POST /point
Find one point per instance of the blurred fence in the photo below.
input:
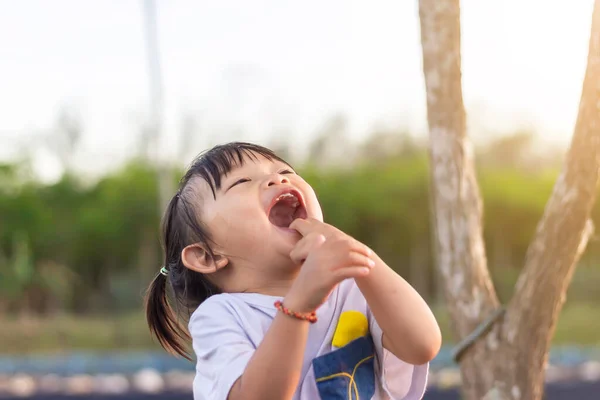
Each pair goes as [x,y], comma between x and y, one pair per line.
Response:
[130,375]
[123,362]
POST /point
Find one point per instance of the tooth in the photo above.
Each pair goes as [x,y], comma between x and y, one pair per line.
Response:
[285,195]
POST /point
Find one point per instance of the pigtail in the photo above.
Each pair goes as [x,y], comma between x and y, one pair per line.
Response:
[160,316]
[163,321]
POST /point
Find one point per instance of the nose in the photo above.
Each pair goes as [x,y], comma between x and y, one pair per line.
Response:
[276,179]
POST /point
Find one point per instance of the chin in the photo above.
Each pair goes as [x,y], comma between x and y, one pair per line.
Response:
[282,240]
[286,236]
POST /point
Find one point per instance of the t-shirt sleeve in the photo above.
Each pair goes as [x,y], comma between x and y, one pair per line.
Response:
[399,380]
[222,350]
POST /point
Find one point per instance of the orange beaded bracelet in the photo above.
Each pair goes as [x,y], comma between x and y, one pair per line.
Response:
[310,317]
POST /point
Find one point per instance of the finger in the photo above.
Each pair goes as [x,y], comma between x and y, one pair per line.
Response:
[350,272]
[307,244]
[305,226]
[329,231]
[357,260]
[302,226]
[351,244]
[307,241]
[361,248]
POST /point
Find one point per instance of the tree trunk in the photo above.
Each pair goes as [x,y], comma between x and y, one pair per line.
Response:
[509,363]
[561,238]
[457,207]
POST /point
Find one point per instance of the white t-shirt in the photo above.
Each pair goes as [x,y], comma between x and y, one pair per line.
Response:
[344,356]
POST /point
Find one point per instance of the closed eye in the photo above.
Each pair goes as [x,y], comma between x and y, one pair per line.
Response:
[242,180]
[286,171]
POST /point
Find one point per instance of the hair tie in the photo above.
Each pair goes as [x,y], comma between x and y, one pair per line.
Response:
[164,271]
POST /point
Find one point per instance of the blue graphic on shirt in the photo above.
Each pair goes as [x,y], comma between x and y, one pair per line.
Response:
[347,373]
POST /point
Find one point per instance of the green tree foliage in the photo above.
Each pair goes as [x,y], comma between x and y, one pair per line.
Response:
[89,246]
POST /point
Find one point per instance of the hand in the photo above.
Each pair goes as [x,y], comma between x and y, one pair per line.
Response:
[309,226]
[328,256]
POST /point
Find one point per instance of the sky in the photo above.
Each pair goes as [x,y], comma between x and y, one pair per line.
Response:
[251,69]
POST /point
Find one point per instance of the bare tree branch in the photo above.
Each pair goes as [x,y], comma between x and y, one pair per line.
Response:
[562,233]
[457,203]
[457,206]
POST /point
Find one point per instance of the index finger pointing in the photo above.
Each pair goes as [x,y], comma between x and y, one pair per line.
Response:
[301,225]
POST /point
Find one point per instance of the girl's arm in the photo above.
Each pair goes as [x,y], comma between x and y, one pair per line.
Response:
[274,370]
[410,330]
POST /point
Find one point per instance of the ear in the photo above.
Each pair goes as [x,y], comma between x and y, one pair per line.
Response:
[196,258]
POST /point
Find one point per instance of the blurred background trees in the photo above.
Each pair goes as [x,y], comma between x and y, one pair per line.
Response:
[91,245]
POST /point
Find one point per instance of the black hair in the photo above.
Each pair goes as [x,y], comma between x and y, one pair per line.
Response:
[181,227]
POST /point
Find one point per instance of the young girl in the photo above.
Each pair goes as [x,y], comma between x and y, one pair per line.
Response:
[284,305]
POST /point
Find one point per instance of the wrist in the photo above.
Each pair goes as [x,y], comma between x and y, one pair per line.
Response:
[299,300]
[297,304]
[301,316]
[375,275]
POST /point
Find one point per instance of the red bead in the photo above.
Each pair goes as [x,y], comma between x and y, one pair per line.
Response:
[311,317]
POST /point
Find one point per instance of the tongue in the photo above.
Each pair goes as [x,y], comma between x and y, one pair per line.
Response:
[282,214]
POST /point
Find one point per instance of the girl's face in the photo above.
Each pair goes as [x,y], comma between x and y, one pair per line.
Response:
[249,218]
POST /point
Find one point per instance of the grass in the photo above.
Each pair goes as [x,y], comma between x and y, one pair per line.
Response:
[578,325]
[75,333]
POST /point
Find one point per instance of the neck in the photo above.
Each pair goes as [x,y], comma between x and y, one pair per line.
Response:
[244,277]
[270,284]
[279,287]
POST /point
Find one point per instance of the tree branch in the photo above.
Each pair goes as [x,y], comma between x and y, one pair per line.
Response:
[456,199]
[563,231]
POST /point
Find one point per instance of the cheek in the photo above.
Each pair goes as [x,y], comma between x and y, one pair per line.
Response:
[312,202]
[235,229]
[315,209]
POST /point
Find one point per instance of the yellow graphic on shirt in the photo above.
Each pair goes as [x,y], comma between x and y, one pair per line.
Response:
[348,372]
[351,326]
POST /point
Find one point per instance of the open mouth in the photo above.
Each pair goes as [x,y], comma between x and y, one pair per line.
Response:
[285,208]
